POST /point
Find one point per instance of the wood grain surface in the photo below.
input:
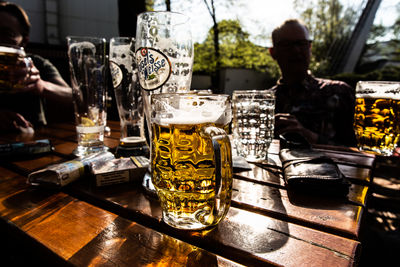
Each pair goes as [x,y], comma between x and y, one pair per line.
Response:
[121,225]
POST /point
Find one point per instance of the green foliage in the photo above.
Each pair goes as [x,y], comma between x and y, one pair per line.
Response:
[235,49]
[330,26]
[388,73]
[149,5]
[376,32]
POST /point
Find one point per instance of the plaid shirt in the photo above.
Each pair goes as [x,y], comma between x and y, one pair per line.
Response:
[323,106]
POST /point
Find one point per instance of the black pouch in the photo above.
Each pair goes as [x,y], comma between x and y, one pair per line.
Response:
[311,171]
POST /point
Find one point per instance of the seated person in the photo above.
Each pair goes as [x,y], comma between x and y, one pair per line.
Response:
[320,110]
[45,96]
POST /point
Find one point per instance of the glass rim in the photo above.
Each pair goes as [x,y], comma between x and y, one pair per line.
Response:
[187,18]
[14,49]
[85,38]
[189,94]
[379,82]
[262,91]
[253,92]
[122,40]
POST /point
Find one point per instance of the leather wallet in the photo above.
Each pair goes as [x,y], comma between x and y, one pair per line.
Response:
[309,170]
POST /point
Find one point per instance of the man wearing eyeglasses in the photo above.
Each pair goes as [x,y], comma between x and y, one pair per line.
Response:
[320,110]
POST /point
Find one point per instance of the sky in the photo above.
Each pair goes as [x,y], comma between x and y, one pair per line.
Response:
[258,17]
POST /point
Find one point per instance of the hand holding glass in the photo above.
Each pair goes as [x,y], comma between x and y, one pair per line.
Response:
[14,68]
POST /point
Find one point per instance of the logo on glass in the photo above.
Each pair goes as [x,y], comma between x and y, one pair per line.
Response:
[154,68]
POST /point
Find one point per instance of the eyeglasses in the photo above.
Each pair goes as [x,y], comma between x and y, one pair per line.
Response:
[296,43]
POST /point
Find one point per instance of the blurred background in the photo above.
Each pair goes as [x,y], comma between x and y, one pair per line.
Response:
[352,40]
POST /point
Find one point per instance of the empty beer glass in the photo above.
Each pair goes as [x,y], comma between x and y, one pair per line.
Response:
[88,67]
[164,51]
[253,123]
[377,116]
[191,158]
[127,95]
[164,56]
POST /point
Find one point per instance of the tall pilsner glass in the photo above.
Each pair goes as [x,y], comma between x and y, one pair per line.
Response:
[127,95]
[164,56]
[88,67]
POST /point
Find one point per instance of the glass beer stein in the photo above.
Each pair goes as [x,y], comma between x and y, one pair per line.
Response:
[377,116]
[14,68]
[191,158]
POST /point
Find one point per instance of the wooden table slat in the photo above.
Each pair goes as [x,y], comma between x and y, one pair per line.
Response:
[121,225]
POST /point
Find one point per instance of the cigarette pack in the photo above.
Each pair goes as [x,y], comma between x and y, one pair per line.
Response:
[120,170]
[59,175]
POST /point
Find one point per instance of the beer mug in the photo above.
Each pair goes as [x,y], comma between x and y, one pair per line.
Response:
[377,116]
[14,67]
[191,158]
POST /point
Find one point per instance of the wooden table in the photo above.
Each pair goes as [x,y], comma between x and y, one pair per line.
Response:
[121,225]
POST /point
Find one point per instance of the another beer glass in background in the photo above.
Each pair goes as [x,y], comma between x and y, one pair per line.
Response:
[191,158]
[377,116]
[164,56]
[253,123]
[127,95]
[164,51]
[88,67]
[14,67]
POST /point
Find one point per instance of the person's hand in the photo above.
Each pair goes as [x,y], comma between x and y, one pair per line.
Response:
[19,72]
[12,121]
[286,123]
[33,83]
[27,78]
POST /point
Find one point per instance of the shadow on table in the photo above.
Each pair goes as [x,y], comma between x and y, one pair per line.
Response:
[381,232]
[129,244]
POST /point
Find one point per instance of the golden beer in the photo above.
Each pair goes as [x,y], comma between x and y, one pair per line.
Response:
[186,160]
[10,58]
[377,120]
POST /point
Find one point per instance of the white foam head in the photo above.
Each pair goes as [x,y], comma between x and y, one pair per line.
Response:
[12,50]
[378,89]
[191,111]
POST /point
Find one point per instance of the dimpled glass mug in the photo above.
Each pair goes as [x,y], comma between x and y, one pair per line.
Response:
[14,67]
[191,158]
[377,116]
[253,123]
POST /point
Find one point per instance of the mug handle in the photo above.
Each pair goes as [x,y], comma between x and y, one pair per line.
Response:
[223,172]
